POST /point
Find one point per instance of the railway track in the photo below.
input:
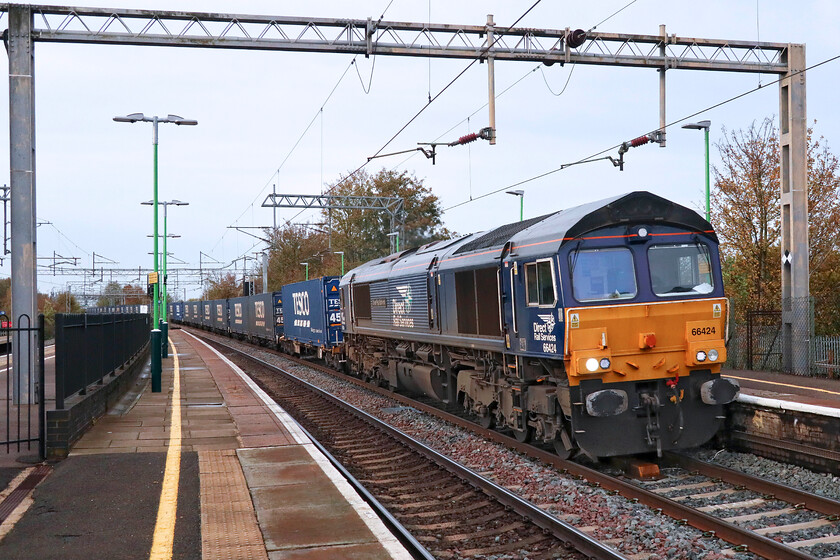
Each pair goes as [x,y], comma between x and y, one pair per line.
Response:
[754,515]
[805,525]
[450,510]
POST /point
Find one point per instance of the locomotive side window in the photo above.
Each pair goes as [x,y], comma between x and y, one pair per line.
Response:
[361,301]
[602,274]
[680,270]
[539,283]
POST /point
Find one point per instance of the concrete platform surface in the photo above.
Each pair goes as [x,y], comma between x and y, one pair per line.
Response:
[208,468]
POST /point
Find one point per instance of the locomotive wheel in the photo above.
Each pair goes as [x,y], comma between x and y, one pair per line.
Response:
[523,436]
[487,421]
[561,451]
[564,446]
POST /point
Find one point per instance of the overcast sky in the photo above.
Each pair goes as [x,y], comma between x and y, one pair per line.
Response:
[252,107]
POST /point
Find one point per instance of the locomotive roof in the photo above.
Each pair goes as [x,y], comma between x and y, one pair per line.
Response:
[539,236]
[638,207]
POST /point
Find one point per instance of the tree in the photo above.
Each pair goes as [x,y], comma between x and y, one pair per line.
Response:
[293,244]
[110,295]
[746,214]
[134,295]
[222,286]
[362,234]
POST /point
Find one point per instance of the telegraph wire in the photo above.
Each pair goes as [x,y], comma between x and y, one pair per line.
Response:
[672,123]
[611,16]
[319,112]
[485,49]
[568,79]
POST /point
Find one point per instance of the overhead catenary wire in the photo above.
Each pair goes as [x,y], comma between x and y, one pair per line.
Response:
[528,73]
[616,146]
[276,173]
[499,34]
[320,112]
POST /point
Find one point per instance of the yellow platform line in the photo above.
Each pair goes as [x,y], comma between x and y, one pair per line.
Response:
[784,384]
[165,526]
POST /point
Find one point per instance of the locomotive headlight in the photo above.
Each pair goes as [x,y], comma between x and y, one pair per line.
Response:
[604,363]
[642,232]
[592,365]
[701,356]
[713,355]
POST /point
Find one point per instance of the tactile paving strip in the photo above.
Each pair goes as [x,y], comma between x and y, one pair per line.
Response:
[229,529]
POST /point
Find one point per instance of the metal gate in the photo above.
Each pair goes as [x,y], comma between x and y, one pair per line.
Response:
[22,426]
[764,341]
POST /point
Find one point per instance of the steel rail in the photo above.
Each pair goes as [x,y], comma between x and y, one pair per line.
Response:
[562,530]
[738,536]
[766,547]
[813,502]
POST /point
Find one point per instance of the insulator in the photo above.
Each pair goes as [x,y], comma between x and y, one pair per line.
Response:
[641,140]
[471,137]
[576,38]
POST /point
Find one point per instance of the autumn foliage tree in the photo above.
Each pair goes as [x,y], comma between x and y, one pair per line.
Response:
[222,286]
[361,234]
[745,211]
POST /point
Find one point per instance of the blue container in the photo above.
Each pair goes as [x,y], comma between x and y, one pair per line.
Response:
[312,312]
[240,310]
[260,317]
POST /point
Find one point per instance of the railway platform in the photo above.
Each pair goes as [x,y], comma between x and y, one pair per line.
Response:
[816,392]
[208,468]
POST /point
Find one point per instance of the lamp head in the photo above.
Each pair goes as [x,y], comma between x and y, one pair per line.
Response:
[517,192]
[702,125]
[132,118]
[180,120]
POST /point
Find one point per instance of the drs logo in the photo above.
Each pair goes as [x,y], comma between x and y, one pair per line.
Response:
[259,309]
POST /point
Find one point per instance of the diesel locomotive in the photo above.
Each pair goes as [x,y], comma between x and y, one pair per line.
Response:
[599,328]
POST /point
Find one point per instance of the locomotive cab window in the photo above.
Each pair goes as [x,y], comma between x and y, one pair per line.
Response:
[539,283]
[602,274]
[680,269]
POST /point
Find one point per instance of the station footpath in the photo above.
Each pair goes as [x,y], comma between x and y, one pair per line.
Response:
[208,468]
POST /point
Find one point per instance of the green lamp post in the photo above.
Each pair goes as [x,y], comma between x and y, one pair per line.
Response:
[156,333]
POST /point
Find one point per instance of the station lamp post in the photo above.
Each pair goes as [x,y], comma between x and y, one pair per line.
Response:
[156,333]
[521,194]
[704,126]
[163,310]
[306,264]
[396,235]
[342,260]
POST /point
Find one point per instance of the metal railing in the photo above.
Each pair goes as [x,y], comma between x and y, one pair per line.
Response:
[22,408]
[759,344]
[89,347]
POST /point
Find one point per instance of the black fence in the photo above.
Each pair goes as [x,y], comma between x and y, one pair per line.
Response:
[22,374]
[89,347]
